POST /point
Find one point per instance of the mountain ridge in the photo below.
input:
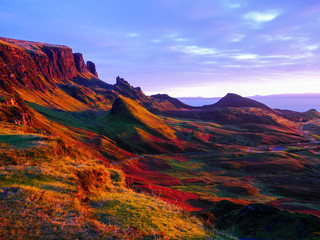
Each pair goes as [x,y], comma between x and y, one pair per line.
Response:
[235,100]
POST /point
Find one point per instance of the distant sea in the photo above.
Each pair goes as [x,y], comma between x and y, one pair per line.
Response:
[295,102]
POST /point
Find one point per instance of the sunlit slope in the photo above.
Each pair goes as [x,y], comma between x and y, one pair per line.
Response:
[131,111]
[137,129]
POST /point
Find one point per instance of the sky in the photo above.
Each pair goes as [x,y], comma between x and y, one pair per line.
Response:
[184,48]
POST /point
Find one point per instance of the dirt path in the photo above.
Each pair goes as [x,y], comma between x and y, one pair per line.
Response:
[304,134]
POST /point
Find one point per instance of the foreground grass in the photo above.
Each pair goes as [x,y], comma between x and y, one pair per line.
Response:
[149,215]
[66,198]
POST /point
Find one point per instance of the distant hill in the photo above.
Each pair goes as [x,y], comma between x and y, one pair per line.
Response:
[170,102]
[309,115]
[234,100]
[293,102]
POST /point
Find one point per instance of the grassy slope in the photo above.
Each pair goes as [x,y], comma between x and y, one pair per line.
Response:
[55,186]
[145,132]
[131,111]
[136,129]
[56,196]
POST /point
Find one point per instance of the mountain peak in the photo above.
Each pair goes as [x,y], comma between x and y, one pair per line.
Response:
[309,115]
[232,95]
[133,112]
[121,82]
[235,100]
[170,101]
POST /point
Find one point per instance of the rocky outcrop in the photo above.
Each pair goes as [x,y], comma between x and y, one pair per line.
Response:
[35,65]
[80,65]
[13,110]
[122,83]
[19,67]
[92,68]
[32,66]
[125,89]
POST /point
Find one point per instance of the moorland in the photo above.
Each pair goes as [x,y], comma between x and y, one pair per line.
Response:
[84,159]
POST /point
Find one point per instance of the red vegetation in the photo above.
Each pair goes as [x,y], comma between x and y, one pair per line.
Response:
[294,206]
[179,198]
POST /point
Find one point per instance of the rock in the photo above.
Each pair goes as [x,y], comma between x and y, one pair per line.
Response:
[35,65]
[15,111]
[80,65]
[121,82]
[92,68]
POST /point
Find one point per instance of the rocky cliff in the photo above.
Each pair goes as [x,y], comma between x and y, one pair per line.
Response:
[92,68]
[54,76]
[36,65]
[79,62]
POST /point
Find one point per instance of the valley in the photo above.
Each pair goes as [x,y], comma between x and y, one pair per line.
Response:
[81,158]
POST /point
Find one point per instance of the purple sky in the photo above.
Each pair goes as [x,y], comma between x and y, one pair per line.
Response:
[183,47]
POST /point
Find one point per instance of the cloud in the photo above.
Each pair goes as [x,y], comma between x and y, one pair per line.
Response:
[133,35]
[234,5]
[237,38]
[210,62]
[311,47]
[195,50]
[260,17]
[282,38]
[248,56]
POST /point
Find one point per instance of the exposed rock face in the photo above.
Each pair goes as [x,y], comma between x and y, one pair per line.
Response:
[80,65]
[13,110]
[121,82]
[26,67]
[34,65]
[125,89]
[92,68]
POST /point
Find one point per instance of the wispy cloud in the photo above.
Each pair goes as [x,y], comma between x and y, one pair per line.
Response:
[132,34]
[248,56]
[195,50]
[210,62]
[260,17]
[237,38]
[311,47]
[233,4]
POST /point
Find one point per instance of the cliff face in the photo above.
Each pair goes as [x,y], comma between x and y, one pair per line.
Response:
[92,68]
[79,62]
[36,65]
[54,76]
[17,67]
